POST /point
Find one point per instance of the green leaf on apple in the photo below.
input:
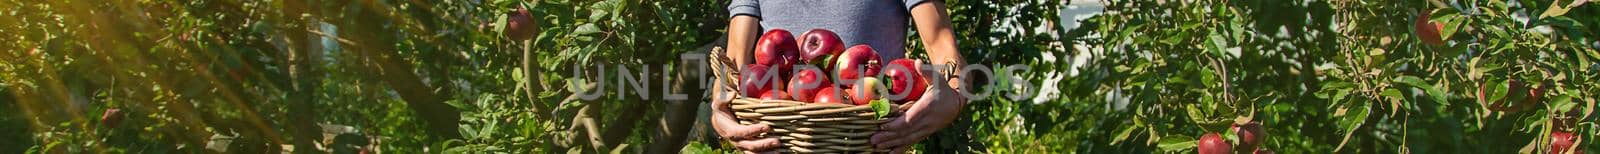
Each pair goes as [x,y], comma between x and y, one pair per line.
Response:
[1452,20]
[881,108]
[500,24]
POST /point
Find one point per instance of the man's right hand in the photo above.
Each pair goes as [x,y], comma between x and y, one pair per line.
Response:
[748,138]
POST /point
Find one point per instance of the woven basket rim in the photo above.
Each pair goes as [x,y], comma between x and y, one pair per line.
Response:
[813,127]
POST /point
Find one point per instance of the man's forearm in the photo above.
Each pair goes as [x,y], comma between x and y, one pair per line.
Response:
[933,24]
[742,33]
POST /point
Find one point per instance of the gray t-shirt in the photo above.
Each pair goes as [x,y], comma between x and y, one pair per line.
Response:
[879,23]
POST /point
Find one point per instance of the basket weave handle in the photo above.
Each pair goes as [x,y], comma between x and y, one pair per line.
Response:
[724,69]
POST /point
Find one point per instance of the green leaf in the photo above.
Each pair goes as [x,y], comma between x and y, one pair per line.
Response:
[1438,96]
[517,75]
[1563,21]
[619,149]
[1352,119]
[696,148]
[585,29]
[601,10]
[1563,103]
[1176,142]
[1395,98]
[1392,94]
[1452,19]
[881,108]
[1215,44]
[468,132]
[488,130]
[1559,9]
[1497,92]
[1124,133]
[500,24]
[574,83]
[1194,113]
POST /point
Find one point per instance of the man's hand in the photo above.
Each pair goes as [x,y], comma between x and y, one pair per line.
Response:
[742,33]
[745,137]
[937,108]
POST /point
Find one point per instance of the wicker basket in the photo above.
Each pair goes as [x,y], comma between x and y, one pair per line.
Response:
[812,128]
[804,127]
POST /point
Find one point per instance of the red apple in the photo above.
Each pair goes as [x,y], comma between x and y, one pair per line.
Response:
[865,90]
[857,62]
[111,117]
[1429,31]
[1560,141]
[818,45]
[1212,143]
[904,79]
[805,84]
[828,95]
[777,48]
[775,95]
[1250,134]
[520,25]
[755,79]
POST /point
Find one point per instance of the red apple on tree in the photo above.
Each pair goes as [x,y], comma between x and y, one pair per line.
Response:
[777,48]
[828,95]
[819,45]
[805,84]
[904,80]
[1535,93]
[756,79]
[1427,30]
[520,25]
[1560,141]
[1250,134]
[857,62]
[1212,143]
[865,90]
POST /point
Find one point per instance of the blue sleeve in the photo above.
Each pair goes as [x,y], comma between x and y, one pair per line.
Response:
[909,3]
[744,7]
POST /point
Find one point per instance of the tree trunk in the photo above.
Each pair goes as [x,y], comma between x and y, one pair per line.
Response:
[376,42]
[303,78]
[679,116]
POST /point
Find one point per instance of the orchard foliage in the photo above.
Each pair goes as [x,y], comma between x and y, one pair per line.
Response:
[1346,76]
[250,76]
[419,76]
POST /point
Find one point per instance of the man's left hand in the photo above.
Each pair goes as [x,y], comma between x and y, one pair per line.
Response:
[937,108]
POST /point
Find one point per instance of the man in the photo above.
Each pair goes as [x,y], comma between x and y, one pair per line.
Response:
[877,23]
